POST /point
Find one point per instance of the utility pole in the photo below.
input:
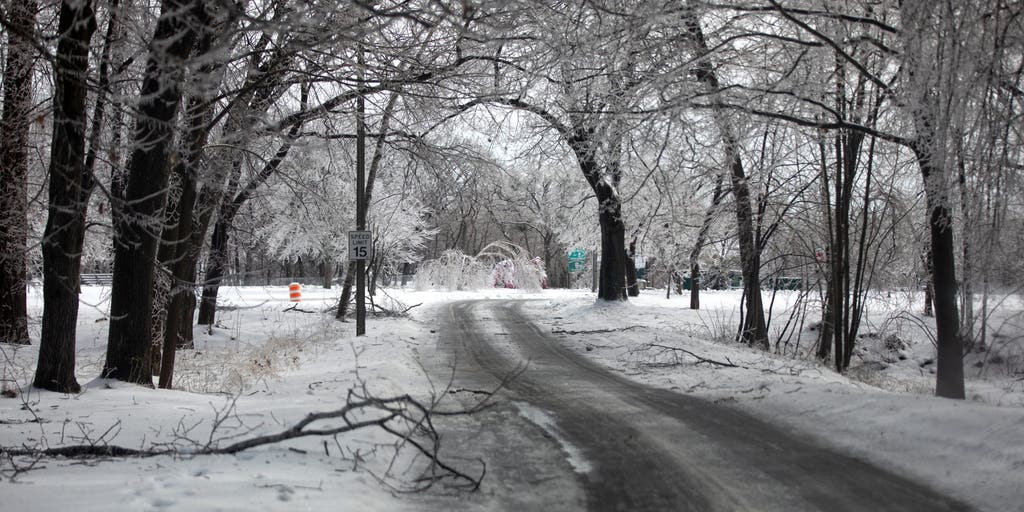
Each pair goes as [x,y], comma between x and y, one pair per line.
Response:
[360,196]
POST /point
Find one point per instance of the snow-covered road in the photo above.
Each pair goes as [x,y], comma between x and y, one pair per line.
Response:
[635,447]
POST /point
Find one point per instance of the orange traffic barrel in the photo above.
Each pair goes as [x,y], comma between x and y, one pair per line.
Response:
[295,292]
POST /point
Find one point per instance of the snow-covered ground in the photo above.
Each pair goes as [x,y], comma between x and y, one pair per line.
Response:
[262,369]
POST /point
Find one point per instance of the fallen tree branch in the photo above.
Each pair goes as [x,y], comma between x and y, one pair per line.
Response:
[598,331]
[402,416]
[700,359]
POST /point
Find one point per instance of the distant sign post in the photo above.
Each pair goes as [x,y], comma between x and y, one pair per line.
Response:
[360,245]
[577,260]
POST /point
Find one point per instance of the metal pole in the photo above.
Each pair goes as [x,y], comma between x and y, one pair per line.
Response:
[360,197]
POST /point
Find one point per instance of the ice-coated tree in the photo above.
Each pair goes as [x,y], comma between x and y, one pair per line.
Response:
[140,221]
[70,186]
[14,131]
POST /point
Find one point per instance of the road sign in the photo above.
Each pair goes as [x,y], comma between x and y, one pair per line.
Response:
[577,260]
[360,245]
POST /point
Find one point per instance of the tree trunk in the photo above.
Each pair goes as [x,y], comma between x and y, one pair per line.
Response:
[328,272]
[215,262]
[753,330]
[612,281]
[949,372]
[70,186]
[346,291]
[632,287]
[405,273]
[698,245]
[138,232]
[929,285]
[217,259]
[966,257]
[177,331]
[611,278]
[14,130]
[694,279]
[825,337]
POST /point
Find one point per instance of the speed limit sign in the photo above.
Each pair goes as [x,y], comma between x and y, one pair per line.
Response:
[360,245]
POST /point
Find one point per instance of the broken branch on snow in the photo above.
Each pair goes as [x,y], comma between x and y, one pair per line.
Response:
[598,331]
[405,417]
[699,358]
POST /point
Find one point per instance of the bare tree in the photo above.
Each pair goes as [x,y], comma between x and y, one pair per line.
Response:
[931,79]
[14,129]
[753,328]
[140,221]
[70,186]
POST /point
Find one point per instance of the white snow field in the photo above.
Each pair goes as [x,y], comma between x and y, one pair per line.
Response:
[263,369]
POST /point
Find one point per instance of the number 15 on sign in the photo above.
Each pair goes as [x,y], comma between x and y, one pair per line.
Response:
[360,245]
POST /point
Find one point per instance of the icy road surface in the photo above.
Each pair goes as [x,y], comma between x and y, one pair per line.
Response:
[634,447]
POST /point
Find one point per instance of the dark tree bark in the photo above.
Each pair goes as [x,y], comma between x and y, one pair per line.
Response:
[217,261]
[612,274]
[949,371]
[967,250]
[843,305]
[612,280]
[929,286]
[138,231]
[70,186]
[215,267]
[182,274]
[177,238]
[406,268]
[753,330]
[328,272]
[14,130]
[633,288]
[264,83]
[931,59]
[698,245]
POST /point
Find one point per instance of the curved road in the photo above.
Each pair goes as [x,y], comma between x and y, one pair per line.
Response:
[641,448]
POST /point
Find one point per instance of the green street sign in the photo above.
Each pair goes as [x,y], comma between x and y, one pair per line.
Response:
[577,260]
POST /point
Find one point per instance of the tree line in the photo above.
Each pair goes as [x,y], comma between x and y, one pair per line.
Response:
[850,142]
